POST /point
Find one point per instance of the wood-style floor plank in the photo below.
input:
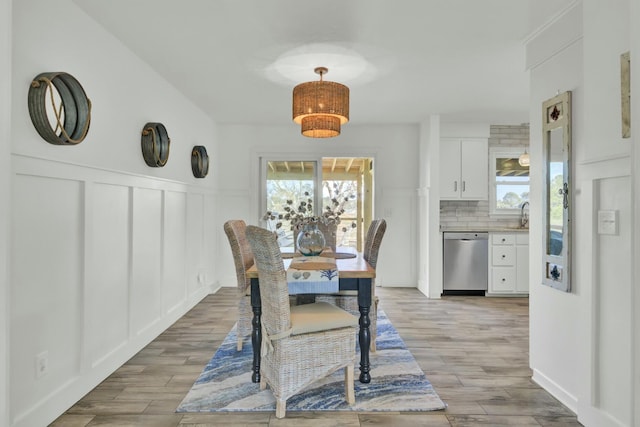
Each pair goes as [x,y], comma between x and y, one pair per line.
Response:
[474,350]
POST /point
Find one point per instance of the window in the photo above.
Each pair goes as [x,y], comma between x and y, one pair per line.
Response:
[337,177]
[510,181]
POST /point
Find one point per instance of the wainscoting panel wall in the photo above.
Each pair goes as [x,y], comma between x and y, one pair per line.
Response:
[102,262]
[46,289]
[108,278]
[196,243]
[174,256]
[146,258]
[612,298]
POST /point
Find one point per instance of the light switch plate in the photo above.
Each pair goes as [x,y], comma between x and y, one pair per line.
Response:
[608,222]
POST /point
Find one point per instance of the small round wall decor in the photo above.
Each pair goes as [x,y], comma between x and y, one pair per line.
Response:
[155,144]
[199,161]
[59,108]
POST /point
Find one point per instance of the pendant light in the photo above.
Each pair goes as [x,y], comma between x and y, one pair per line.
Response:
[320,107]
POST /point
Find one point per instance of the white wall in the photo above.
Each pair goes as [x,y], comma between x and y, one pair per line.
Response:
[550,308]
[106,252]
[635,253]
[394,151]
[430,244]
[582,341]
[5,207]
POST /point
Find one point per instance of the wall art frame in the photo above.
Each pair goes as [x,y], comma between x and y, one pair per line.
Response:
[199,161]
[557,192]
[625,93]
[73,114]
[155,143]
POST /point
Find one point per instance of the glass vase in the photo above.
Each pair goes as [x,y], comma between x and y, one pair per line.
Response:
[310,240]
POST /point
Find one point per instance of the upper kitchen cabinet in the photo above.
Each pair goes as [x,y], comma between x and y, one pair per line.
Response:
[464,170]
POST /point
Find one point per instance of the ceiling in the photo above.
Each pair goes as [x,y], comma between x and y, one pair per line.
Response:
[403,60]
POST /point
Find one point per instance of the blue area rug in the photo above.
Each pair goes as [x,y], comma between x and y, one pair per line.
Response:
[397,382]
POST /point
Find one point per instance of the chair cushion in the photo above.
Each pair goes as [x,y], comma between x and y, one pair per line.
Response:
[319,316]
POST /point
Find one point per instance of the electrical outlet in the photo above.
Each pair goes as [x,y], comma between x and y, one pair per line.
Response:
[42,364]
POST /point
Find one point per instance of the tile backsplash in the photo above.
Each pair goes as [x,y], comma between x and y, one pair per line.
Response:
[471,214]
[474,214]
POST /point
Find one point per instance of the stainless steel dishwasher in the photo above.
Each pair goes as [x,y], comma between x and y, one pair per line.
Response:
[466,263]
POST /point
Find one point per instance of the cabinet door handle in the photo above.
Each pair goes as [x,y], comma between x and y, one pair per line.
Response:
[504,240]
[464,186]
[504,280]
[455,186]
[503,256]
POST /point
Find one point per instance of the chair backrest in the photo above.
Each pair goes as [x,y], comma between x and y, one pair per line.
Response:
[241,250]
[374,239]
[329,231]
[274,290]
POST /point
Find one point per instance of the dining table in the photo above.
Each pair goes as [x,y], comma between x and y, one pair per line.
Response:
[354,274]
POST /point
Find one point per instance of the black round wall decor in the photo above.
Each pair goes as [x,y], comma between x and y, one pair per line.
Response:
[155,144]
[72,116]
[199,161]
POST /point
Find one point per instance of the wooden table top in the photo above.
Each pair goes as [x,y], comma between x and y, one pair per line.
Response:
[349,268]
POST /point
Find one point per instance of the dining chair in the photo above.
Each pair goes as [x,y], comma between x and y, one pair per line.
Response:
[243,259]
[348,300]
[303,343]
[330,232]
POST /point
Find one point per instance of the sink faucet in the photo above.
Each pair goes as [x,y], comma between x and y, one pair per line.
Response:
[524,217]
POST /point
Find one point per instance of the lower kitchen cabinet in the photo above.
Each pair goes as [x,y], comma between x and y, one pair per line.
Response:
[508,263]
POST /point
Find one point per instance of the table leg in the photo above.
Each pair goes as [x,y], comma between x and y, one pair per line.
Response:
[364,305]
[256,332]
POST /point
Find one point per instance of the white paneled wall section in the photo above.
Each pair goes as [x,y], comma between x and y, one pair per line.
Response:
[100,267]
[106,253]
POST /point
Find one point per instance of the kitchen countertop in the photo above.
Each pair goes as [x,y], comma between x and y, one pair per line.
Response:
[490,229]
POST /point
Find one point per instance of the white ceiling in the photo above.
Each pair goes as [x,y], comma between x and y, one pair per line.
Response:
[462,59]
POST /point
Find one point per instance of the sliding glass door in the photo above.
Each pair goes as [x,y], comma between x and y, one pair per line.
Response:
[287,180]
[322,182]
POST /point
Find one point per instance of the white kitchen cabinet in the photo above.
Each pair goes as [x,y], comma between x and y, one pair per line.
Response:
[509,263]
[464,169]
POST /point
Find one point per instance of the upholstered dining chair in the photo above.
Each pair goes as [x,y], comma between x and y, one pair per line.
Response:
[348,300]
[243,259]
[300,344]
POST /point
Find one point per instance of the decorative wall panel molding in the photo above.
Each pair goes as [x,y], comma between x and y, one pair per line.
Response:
[62,96]
[199,161]
[155,144]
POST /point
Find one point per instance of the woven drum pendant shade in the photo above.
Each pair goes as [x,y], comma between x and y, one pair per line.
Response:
[320,126]
[320,107]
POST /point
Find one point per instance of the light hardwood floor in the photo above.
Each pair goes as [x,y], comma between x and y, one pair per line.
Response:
[474,350]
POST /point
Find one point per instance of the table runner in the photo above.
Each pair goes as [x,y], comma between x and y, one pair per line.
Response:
[313,275]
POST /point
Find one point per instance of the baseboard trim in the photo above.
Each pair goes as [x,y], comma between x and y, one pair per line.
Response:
[55,403]
[566,398]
